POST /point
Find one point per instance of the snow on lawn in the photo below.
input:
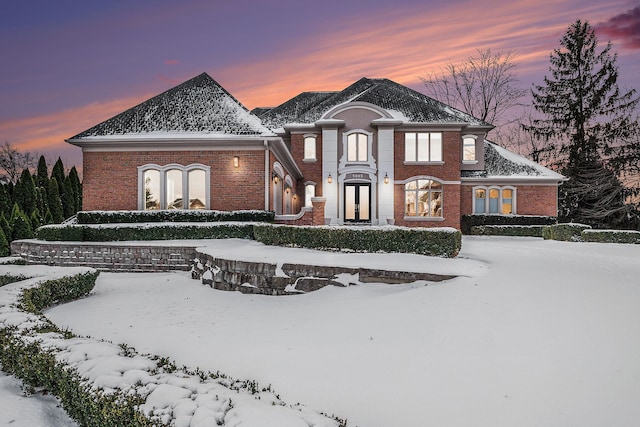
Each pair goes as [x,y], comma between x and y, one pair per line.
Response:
[533,333]
[20,410]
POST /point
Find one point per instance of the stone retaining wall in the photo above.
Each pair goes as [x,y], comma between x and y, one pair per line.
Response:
[219,273]
[105,257]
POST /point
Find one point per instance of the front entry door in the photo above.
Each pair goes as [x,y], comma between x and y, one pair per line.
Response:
[357,202]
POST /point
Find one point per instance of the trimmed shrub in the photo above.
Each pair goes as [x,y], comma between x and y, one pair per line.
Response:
[443,242]
[125,232]
[468,221]
[179,215]
[568,232]
[507,230]
[611,236]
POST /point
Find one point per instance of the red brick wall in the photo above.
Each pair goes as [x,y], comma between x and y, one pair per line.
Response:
[449,171]
[111,178]
[311,171]
[530,200]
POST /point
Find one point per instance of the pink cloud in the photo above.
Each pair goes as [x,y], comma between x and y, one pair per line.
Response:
[171,61]
[624,27]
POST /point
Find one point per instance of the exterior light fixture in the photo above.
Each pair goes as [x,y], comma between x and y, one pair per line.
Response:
[275,178]
[386,178]
[330,179]
[236,161]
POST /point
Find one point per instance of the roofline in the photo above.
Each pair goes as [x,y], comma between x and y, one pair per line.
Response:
[168,142]
[516,180]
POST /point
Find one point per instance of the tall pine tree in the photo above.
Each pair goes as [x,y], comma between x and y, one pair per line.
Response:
[42,174]
[590,127]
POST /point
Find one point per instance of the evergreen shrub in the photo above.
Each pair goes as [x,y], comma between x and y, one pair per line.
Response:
[126,232]
[507,230]
[468,221]
[568,232]
[442,242]
[611,236]
[178,215]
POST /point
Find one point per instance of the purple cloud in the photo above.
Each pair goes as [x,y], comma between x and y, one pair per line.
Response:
[624,27]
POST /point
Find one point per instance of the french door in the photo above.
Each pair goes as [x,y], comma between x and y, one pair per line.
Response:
[357,202]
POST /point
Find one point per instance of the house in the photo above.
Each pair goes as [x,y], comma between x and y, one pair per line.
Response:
[374,153]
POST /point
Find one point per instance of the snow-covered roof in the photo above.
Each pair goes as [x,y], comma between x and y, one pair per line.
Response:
[408,104]
[502,163]
[198,106]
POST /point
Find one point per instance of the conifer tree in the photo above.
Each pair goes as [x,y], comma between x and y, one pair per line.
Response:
[68,198]
[6,227]
[25,192]
[57,171]
[590,125]
[55,203]
[21,225]
[5,249]
[77,187]
[42,174]
[5,201]
[36,219]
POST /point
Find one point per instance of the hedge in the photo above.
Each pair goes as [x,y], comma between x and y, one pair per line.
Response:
[468,221]
[178,215]
[507,230]
[443,242]
[611,236]
[569,232]
[127,232]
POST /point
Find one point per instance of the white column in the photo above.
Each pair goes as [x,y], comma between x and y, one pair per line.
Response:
[330,167]
[385,167]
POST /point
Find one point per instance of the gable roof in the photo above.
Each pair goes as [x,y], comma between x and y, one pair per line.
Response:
[402,102]
[198,106]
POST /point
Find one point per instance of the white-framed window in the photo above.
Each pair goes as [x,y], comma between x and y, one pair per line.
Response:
[494,200]
[309,192]
[174,186]
[357,147]
[469,149]
[423,147]
[309,147]
[423,198]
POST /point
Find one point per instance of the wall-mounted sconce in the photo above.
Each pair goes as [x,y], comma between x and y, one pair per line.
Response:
[330,179]
[386,178]
[236,161]
[287,190]
[274,176]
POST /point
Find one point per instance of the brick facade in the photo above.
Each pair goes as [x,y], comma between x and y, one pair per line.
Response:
[111,178]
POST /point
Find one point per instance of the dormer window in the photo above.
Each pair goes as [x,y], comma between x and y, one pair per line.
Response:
[469,149]
[357,147]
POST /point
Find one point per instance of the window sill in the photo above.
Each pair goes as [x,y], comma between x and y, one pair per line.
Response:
[309,160]
[469,162]
[424,218]
[439,163]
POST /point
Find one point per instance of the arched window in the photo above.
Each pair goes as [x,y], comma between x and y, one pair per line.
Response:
[165,187]
[309,192]
[423,198]
[469,149]
[357,147]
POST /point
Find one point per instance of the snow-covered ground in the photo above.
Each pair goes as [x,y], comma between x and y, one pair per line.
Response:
[18,409]
[532,333]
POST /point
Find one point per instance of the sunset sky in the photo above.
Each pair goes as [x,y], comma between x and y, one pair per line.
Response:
[70,64]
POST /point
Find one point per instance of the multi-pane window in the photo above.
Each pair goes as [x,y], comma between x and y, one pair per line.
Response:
[423,198]
[423,147]
[357,147]
[494,200]
[309,148]
[468,149]
[174,187]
